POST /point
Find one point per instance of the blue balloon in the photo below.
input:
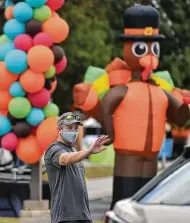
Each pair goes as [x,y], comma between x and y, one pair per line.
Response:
[8,3]
[13,28]
[16,90]
[36,3]
[5,49]
[16,61]
[5,125]
[22,12]
[35,117]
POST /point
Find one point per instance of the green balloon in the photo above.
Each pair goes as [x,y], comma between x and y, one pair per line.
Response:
[43,13]
[50,73]
[51,110]
[19,107]
[4,39]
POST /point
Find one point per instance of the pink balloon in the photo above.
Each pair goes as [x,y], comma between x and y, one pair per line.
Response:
[10,141]
[60,67]
[43,39]
[23,42]
[55,4]
[40,99]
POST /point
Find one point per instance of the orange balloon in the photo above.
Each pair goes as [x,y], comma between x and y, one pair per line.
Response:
[57,28]
[29,150]
[3,112]
[5,98]
[9,12]
[53,87]
[31,81]
[6,78]
[46,132]
[40,58]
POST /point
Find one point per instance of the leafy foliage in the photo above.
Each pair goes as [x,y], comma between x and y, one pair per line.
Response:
[89,43]
[176,47]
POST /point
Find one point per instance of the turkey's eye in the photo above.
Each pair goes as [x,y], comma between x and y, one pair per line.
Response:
[155,48]
[140,49]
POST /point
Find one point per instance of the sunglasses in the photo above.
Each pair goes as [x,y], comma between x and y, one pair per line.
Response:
[72,117]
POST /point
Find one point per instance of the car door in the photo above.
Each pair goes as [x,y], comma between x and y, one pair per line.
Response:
[169,201]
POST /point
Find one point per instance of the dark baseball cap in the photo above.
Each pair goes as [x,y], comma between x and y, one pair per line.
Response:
[69,118]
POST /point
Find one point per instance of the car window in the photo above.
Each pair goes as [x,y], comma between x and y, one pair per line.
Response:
[173,190]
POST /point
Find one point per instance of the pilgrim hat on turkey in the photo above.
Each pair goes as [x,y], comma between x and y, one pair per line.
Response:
[141,23]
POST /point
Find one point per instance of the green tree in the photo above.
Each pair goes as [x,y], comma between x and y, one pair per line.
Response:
[176,48]
[89,43]
[93,40]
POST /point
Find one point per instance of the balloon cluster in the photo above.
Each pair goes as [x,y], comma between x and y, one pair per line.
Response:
[30,59]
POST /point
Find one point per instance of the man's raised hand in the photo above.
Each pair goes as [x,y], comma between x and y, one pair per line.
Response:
[96,147]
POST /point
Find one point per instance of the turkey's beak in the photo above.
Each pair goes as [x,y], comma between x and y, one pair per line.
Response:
[149,63]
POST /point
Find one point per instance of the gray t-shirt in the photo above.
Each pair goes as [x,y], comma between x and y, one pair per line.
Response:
[69,198]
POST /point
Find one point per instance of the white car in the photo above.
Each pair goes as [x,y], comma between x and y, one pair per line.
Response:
[165,199]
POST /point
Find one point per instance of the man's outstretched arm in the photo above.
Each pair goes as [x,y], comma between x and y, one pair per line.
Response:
[75,157]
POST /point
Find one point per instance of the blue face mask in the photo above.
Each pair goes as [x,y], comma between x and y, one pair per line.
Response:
[70,137]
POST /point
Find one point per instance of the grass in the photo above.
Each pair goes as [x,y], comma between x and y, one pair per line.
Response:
[16,220]
[9,220]
[98,172]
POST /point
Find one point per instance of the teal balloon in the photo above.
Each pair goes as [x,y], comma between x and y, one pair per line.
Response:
[51,110]
[43,13]
[4,39]
[5,125]
[35,117]
[5,49]
[13,28]
[19,107]
[23,12]
[36,3]
[16,61]
[16,90]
